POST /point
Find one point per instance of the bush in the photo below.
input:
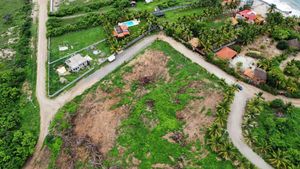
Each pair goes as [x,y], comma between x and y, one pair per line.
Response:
[237,48]
[254,55]
[282,45]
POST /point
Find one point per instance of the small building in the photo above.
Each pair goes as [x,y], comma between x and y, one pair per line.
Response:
[194,42]
[259,19]
[247,15]
[62,71]
[133,3]
[294,43]
[257,75]
[226,53]
[121,31]
[234,21]
[77,62]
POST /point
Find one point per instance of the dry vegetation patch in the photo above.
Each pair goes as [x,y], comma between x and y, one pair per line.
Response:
[265,45]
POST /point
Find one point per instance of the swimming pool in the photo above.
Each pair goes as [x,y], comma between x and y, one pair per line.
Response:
[129,23]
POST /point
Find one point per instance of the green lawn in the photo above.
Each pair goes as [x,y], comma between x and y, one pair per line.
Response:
[135,136]
[77,40]
[141,5]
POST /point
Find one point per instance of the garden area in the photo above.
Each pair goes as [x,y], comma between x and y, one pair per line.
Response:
[149,111]
[272,130]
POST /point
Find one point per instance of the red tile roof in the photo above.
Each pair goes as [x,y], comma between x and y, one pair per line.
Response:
[248,14]
[226,53]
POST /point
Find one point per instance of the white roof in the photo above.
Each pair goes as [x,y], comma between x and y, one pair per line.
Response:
[76,60]
[111,58]
[61,70]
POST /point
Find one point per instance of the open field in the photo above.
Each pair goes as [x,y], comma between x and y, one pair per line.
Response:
[154,112]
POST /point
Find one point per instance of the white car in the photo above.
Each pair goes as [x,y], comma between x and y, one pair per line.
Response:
[111,58]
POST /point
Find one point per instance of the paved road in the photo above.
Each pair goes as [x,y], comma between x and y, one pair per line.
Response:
[48,107]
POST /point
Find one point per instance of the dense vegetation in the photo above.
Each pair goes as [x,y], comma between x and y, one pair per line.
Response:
[272,129]
[18,115]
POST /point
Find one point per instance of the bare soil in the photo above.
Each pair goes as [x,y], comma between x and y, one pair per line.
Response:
[265,45]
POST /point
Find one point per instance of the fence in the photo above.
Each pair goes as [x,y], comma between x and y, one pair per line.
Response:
[71,83]
[76,52]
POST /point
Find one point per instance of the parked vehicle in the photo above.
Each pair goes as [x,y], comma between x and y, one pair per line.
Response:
[239,87]
[111,58]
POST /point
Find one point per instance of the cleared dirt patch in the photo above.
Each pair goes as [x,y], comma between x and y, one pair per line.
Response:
[265,45]
[151,66]
[97,120]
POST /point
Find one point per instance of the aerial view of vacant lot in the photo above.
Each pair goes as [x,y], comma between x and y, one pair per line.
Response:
[152,112]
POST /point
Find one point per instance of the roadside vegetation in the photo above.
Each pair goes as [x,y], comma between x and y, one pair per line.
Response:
[272,130]
[19,118]
[142,125]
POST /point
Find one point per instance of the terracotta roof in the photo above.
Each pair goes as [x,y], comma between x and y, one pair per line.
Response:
[226,53]
[248,14]
[249,73]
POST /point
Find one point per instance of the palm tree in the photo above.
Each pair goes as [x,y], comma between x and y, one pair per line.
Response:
[272,8]
[278,159]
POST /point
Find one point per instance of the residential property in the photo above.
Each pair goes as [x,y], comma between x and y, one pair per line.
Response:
[256,75]
[121,31]
[226,53]
[247,15]
[294,43]
[77,62]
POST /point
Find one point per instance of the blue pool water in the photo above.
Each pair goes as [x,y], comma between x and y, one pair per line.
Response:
[129,23]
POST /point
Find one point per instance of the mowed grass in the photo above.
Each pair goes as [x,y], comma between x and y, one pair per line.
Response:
[145,143]
[77,40]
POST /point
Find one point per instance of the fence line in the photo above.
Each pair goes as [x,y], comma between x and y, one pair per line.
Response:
[71,83]
[76,52]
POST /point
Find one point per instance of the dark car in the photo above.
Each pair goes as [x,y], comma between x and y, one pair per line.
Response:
[239,87]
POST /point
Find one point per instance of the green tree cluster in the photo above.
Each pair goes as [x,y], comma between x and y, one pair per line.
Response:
[272,129]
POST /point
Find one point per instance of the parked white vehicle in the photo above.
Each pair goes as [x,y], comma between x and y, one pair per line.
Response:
[111,58]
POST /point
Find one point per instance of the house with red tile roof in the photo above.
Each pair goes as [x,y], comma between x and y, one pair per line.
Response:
[226,53]
[120,31]
[247,14]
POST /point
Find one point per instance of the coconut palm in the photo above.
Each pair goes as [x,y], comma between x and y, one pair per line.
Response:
[272,8]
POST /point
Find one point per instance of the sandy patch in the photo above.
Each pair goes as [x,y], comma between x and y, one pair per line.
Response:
[265,45]
[148,68]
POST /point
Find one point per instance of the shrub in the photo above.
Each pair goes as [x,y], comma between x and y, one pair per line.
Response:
[237,48]
[282,45]
[254,55]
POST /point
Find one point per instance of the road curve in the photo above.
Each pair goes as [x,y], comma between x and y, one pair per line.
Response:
[48,107]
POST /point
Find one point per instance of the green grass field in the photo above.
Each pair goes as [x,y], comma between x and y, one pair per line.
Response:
[77,40]
[136,137]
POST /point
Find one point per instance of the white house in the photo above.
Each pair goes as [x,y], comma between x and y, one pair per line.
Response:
[77,62]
